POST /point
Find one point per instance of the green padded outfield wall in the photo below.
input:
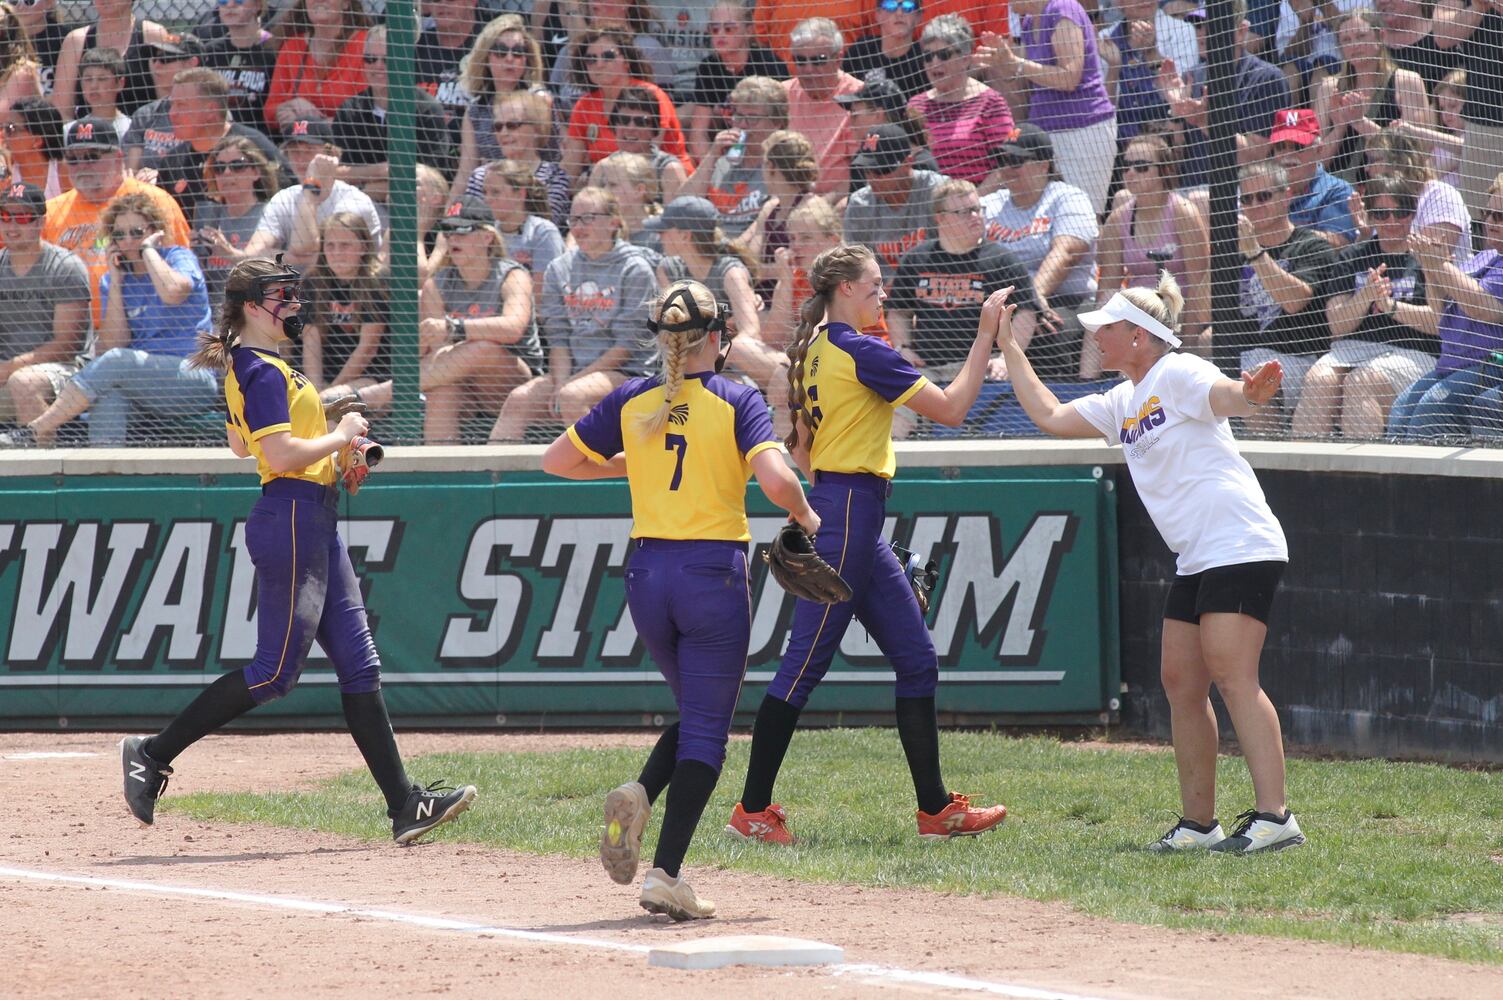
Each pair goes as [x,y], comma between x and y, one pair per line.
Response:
[498,599]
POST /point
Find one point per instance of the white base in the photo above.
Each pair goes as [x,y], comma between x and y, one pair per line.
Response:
[744,949]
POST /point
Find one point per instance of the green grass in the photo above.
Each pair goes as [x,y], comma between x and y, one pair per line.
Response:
[1407,857]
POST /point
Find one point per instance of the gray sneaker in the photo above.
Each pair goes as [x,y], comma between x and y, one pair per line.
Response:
[626,813]
[1184,837]
[662,893]
[145,779]
[1257,832]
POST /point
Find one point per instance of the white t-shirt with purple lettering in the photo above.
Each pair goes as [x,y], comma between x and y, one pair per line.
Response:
[1199,490]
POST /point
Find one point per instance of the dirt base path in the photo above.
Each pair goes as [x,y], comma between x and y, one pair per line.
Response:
[82,939]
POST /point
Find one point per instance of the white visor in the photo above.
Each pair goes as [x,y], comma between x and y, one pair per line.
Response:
[1119,308]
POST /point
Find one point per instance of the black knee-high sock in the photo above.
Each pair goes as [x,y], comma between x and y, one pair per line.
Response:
[918,729]
[225,700]
[688,794]
[365,714]
[773,731]
[658,770]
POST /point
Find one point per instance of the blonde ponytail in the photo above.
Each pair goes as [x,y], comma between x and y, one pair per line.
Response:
[839,263]
[676,341]
[1164,303]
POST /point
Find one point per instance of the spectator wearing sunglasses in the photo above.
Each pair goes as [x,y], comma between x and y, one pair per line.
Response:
[101,80]
[1285,283]
[238,180]
[35,138]
[40,21]
[1440,210]
[734,55]
[631,20]
[639,129]
[776,20]
[893,49]
[1055,66]
[522,136]
[156,306]
[477,334]
[293,217]
[44,308]
[97,169]
[200,114]
[818,80]
[965,118]
[894,212]
[1383,329]
[245,54]
[610,65]
[732,175]
[360,126]
[505,61]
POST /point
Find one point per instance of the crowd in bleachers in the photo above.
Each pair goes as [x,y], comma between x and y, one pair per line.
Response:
[573,159]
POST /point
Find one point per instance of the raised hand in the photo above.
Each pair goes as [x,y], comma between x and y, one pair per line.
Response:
[1260,385]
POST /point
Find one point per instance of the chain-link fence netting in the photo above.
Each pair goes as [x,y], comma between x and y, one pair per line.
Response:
[484,198]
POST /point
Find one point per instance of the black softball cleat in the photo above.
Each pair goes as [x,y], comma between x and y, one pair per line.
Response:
[428,807]
[145,779]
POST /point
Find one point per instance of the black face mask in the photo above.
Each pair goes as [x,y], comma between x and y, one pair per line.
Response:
[725,352]
[696,321]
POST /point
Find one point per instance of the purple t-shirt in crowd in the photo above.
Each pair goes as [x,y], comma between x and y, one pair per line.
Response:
[1087,104]
[1465,341]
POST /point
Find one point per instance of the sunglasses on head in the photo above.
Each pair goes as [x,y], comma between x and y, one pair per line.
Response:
[134,233]
[607,55]
[513,51]
[939,55]
[818,60]
[232,166]
[1144,165]
[1385,214]
[906,6]
[636,121]
[1258,197]
[25,217]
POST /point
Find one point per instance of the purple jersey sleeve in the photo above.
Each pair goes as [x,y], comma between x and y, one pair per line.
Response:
[600,429]
[264,389]
[753,422]
[880,368]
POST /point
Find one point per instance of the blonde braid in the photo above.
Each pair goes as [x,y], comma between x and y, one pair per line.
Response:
[675,346]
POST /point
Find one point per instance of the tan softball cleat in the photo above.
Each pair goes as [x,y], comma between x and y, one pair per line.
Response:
[662,893]
[626,813]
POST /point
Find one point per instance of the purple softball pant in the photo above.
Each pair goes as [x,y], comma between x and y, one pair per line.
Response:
[691,603]
[305,589]
[852,508]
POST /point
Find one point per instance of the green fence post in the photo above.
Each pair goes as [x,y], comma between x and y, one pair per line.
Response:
[401,38]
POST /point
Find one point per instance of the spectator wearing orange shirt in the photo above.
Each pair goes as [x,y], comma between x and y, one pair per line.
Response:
[985,16]
[812,109]
[611,64]
[321,64]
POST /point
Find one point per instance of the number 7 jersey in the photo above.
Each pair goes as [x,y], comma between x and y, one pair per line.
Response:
[688,480]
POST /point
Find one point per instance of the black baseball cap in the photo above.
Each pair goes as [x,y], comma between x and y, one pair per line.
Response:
[878,90]
[92,133]
[464,214]
[1028,141]
[308,130]
[184,46]
[690,213]
[28,195]
[884,149]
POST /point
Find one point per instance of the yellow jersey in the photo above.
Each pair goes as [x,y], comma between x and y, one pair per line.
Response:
[688,480]
[264,395]
[854,382]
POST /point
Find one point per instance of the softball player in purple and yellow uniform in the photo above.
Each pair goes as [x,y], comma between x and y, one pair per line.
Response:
[844,387]
[306,587]
[687,440]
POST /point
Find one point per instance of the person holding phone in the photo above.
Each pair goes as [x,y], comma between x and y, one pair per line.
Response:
[156,303]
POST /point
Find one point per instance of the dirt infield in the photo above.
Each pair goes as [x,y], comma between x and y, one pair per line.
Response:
[78,939]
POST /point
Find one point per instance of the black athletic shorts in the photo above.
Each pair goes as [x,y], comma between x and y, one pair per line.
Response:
[1243,589]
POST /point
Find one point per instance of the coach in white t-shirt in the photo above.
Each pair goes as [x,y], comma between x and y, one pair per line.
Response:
[1170,417]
